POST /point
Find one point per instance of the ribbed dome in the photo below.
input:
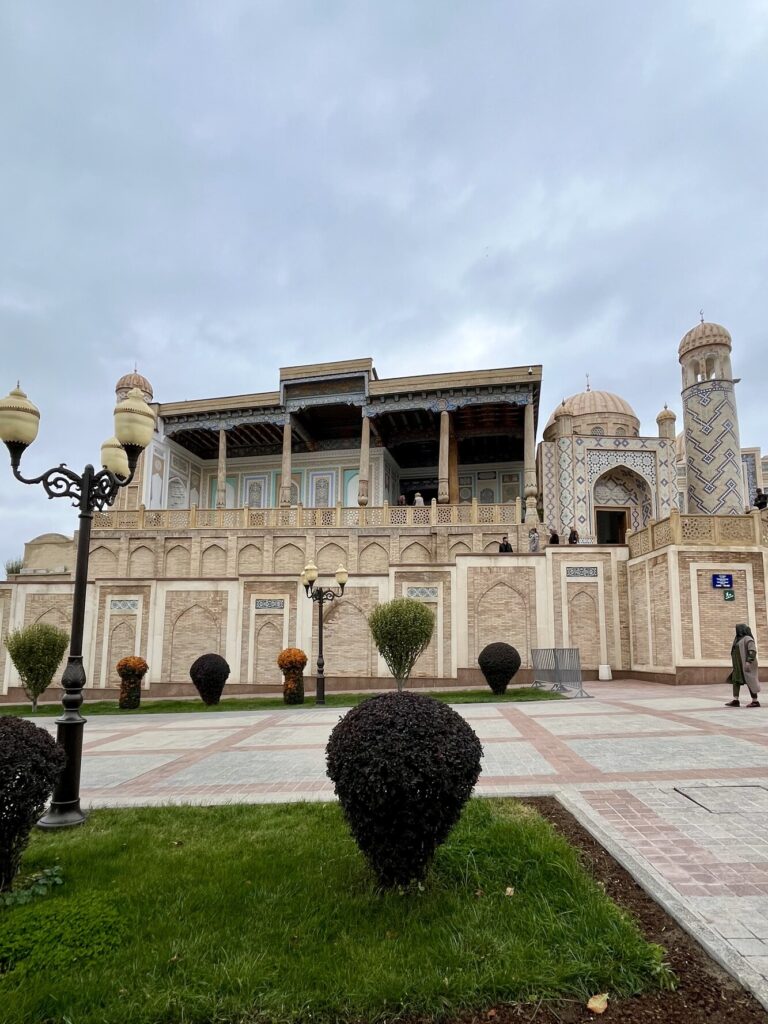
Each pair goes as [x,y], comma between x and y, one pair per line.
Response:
[590,403]
[133,380]
[703,335]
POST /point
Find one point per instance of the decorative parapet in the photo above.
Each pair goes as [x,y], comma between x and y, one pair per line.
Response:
[469,514]
[720,531]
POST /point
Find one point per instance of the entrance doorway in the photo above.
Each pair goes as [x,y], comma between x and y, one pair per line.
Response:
[611,525]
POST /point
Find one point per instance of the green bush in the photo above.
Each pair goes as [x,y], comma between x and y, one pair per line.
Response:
[13,566]
[36,652]
[30,763]
[401,630]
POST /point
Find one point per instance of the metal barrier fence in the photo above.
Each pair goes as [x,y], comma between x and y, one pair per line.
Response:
[560,667]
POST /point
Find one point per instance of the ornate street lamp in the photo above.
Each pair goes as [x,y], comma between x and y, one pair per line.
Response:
[134,424]
[321,595]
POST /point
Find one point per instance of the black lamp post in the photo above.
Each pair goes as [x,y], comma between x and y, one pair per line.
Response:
[321,595]
[90,491]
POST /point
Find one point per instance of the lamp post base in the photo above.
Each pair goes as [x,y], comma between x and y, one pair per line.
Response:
[63,816]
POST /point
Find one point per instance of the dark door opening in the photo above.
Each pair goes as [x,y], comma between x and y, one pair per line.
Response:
[426,491]
[611,525]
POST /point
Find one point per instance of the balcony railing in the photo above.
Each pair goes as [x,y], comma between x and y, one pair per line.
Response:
[724,531]
[468,514]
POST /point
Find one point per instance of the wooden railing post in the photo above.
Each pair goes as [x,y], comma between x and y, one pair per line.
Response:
[193,516]
[474,517]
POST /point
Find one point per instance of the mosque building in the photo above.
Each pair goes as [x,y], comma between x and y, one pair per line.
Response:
[410,483]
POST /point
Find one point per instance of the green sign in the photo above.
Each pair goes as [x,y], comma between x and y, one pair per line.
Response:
[729,595]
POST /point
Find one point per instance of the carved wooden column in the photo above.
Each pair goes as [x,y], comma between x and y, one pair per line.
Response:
[221,476]
[453,469]
[285,484]
[365,462]
[442,465]
[529,473]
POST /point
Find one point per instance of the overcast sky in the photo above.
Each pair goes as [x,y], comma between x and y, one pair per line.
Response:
[218,189]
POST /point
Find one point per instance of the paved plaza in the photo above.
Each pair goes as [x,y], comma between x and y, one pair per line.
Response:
[674,784]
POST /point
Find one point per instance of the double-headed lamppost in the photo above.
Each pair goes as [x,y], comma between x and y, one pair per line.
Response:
[321,595]
[90,491]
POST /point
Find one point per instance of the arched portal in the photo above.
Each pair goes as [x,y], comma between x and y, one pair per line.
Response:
[621,501]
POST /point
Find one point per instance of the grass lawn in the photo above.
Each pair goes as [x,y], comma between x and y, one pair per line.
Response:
[333,700]
[269,914]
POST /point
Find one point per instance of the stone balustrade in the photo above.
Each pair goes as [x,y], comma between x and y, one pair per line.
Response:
[715,531]
[400,516]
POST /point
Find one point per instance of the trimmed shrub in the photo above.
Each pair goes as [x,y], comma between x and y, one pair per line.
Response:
[499,662]
[30,762]
[36,652]
[209,673]
[131,671]
[403,766]
[401,630]
[291,663]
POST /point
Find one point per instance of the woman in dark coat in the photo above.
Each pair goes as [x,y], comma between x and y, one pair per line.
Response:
[745,670]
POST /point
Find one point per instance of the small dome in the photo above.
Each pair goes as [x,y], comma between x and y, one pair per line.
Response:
[665,414]
[702,336]
[133,380]
[680,447]
[590,403]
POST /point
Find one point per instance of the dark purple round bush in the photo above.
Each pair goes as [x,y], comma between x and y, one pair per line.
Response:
[209,673]
[30,762]
[403,766]
[499,662]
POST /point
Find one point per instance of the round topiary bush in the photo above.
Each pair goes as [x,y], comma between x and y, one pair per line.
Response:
[291,663]
[209,673]
[30,762]
[498,662]
[403,766]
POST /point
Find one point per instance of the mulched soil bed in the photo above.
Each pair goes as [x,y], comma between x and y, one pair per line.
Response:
[705,992]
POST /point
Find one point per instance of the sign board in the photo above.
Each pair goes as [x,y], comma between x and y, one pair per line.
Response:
[729,595]
[722,580]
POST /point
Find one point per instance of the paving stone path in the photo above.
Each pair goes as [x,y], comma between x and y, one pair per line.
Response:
[671,781]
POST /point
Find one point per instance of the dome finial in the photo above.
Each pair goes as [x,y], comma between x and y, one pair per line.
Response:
[588,387]
[701,314]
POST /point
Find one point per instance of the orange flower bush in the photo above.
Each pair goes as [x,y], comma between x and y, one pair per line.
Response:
[131,671]
[291,662]
[291,657]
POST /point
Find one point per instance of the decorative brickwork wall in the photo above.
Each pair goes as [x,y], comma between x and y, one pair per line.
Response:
[501,606]
[194,624]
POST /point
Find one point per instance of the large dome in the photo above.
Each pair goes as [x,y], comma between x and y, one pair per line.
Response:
[133,380]
[603,407]
[702,336]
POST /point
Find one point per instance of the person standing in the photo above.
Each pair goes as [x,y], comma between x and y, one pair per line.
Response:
[533,539]
[505,545]
[761,499]
[418,500]
[573,536]
[554,536]
[745,668]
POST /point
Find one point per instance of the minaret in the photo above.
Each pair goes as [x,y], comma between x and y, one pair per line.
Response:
[711,423]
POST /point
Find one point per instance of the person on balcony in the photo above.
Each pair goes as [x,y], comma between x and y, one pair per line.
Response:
[573,536]
[505,546]
[761,499]
[745,669]
[533,539]
[554,536]
[401,500]
[418,500]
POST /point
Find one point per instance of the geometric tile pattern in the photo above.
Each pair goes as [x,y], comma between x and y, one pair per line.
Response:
[713,451]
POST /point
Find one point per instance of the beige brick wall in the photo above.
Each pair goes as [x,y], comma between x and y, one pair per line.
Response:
[661,612]
[584,622]
[5,619]
[502,607]
[267,642]
[195,624]
[122,632]
[641,654]
[348,647]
